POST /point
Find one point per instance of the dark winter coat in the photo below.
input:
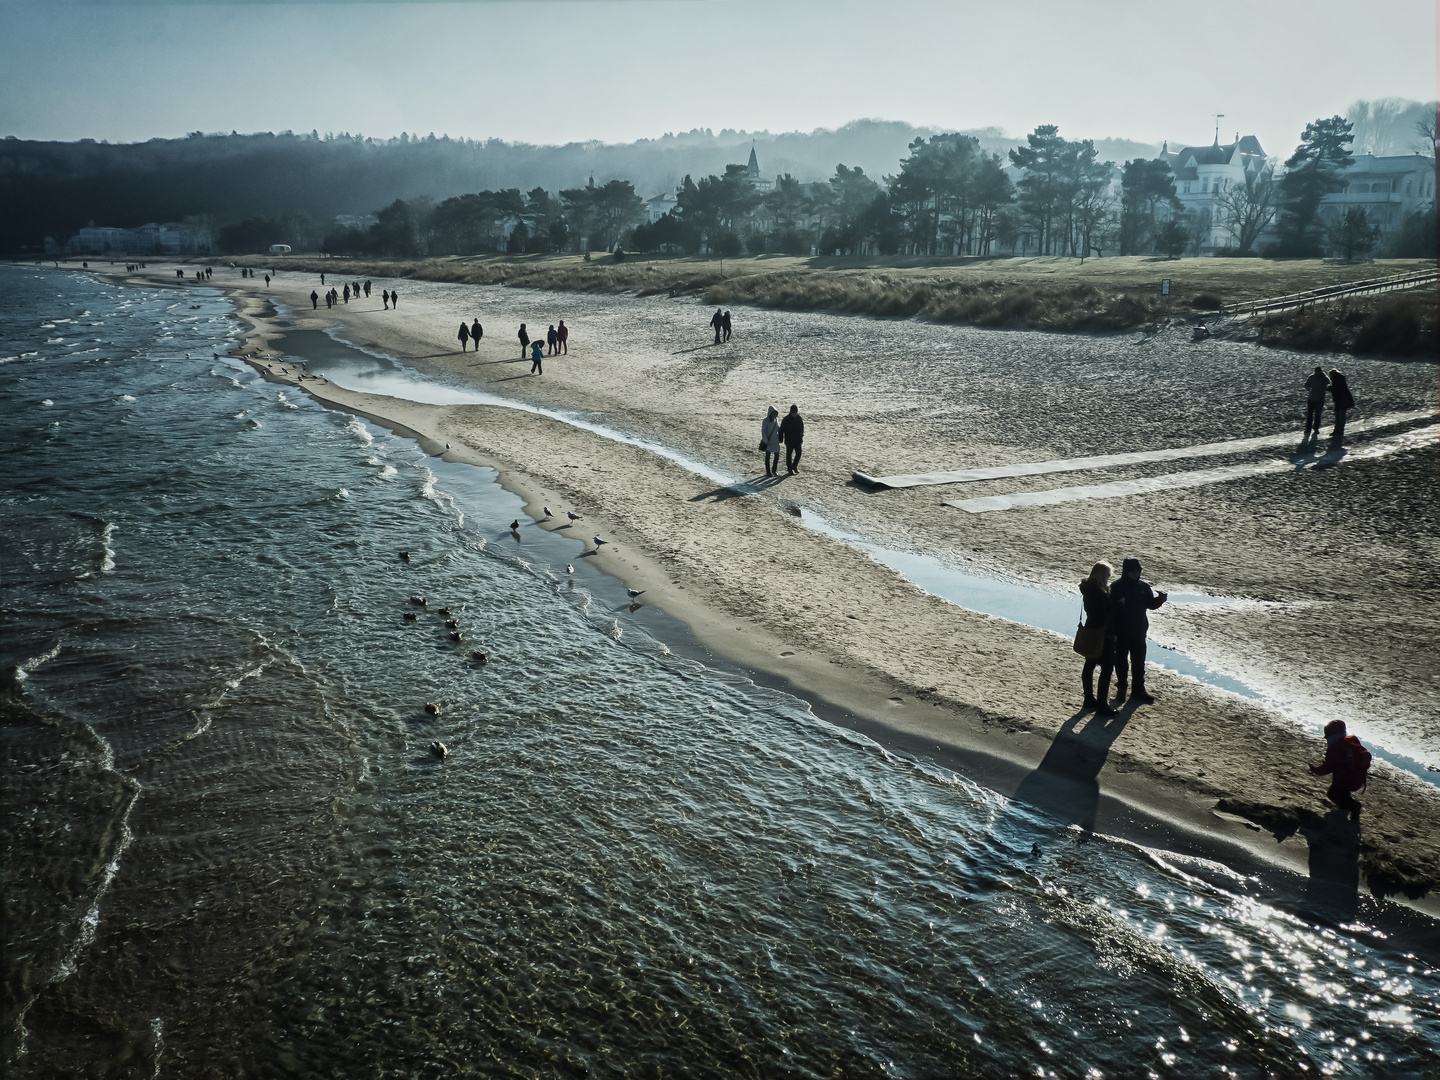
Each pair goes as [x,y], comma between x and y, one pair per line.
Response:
[1130,602]
[1340,392]
[1099,611]
[792,429]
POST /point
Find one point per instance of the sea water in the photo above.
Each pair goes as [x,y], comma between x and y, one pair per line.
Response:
[229,850]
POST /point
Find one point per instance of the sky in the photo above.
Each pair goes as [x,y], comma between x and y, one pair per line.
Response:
[551,71]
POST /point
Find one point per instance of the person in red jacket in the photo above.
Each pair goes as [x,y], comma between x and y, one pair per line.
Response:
[1347,762]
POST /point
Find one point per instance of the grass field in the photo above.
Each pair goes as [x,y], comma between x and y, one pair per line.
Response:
[1056,294]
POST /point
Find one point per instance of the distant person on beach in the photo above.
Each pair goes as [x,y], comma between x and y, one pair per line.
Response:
[314,300]
[347,294]
[367,288]
[1131,601]
[1342,400]
[385,299]
[770,440]
[464,335]
[267,281]
[537,353]
[725,325]
[1315,387]
[1347,762]
[394,299]
[476,333]
[717,321]
[563,333]
[1095,592]
[551,340]
[322,279]
[524,341]
[792,434]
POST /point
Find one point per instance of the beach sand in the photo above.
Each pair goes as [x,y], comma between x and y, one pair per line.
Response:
[1337,566]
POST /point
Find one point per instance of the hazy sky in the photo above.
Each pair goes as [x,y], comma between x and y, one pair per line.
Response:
[617,70]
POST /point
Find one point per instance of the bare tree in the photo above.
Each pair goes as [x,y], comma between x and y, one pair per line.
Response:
[1246,209]
[1425,128]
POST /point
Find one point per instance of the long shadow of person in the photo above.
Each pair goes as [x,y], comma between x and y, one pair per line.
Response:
[1065,786]
[1333,891]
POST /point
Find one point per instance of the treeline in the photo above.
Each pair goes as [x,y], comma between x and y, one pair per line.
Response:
[1053,196]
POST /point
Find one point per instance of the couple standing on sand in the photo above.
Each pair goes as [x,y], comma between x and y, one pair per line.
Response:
[1116,623]
[790,431]
[1340,396]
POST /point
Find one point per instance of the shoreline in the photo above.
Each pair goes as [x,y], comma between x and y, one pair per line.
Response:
[998,748]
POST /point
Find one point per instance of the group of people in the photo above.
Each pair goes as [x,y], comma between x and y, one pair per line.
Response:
[1340,397]
[720,321]
[246,272]
[791,432]
[556,341]
[1117,616]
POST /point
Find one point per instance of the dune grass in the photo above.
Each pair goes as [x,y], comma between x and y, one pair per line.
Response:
[1054,294]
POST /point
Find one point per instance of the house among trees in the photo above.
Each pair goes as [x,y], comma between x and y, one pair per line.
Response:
[752,170]
[1390,191]
[1207,180]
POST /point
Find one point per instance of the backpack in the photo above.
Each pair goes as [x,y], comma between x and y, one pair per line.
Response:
[1353,772]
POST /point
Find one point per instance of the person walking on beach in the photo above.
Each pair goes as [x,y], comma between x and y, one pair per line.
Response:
[1315,387]
[394,299]
[770,441]
[725,326]
[524,341]
[552,339]
[314,300]
[347,294]
[717,321]
[385,299]
[1342,400]
[1348,763]
[464,335]
[322,279]
[1131,601]
[537,353]
[1095,592]
[792,434]
[267,281]
[476,333]
[563,334]
[367,288]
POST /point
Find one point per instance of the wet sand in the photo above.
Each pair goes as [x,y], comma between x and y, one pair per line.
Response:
[1339,563]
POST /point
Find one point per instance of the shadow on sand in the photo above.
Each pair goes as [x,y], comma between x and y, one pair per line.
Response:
[1065,786]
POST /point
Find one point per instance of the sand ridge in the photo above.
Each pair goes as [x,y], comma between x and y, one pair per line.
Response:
[856,629]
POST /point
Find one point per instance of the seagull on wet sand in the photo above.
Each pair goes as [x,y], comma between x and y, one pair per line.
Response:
[569,568]
[572,515]
[598,542]
[633,593]
[515,525]
[548,514]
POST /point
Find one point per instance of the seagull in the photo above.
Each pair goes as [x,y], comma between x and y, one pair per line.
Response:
[404,556]
[447,446]
[515,525]
[480,657]
[633,593]
[572,515]
[432,708]
[598,542]
[548,514]
[439,749]
[569,568]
